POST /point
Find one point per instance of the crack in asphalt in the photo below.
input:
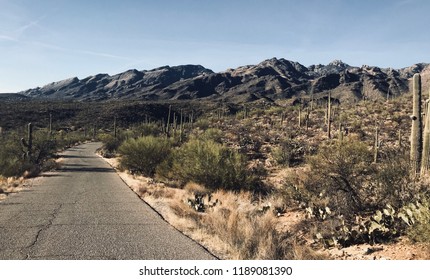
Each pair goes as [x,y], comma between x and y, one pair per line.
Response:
[43,228]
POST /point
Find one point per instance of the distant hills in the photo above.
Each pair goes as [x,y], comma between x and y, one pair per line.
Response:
[270,80]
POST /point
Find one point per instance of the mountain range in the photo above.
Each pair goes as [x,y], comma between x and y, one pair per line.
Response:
[271,80]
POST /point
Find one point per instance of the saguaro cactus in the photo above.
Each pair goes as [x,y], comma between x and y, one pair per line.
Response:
[425,163]
[329,115]
[340,133]
[300,117]
[376,145]
[114,127]
[416,131]
[29,142]
[168,120]
[50,124]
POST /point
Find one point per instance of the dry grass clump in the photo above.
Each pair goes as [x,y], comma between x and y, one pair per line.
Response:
[233,225]
[9,185]
[156,191]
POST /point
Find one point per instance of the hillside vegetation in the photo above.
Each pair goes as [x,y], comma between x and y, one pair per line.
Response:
[243,169]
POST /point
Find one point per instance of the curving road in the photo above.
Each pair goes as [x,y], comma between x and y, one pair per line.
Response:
[85,211]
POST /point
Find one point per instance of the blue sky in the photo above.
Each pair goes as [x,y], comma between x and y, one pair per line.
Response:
[50,40]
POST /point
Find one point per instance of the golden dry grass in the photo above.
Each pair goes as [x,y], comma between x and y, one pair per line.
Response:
[237,227]
[10,185]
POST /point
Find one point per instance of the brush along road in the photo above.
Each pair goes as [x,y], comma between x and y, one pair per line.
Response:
[85,211]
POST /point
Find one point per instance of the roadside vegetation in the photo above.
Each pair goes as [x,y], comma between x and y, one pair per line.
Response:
[25,152]
[252,166]
[265,180]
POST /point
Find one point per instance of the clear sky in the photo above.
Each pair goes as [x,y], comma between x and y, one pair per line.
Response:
[50,40]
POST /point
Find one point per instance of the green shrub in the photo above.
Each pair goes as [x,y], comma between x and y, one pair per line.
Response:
[110,144]
[147,129]
[288,153]
[144,154]
[213,134]
[420,222]
[340,174]
[210,164]
[203,124]
[44,147]
[11,158]
[392,181]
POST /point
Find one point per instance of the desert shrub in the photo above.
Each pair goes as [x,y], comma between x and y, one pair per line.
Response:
[210,164]
[420,232]
[11,158]
[341,173]
[144,154]
[213,134]
[147,129]
[355,200]
[203,124]
[44,147]
[288,153]
[418,217]
[392,181]
[110,144]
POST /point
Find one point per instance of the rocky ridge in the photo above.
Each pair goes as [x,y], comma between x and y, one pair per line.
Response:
[270,80]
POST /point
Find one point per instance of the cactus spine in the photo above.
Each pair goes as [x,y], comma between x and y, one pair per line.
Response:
[416,131]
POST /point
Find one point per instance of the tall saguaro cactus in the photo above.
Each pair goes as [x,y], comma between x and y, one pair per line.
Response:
[50,125]
[329,115]
[168,120]
[114,127]
[376,145]
[416,131]
[425,161]
[29,142]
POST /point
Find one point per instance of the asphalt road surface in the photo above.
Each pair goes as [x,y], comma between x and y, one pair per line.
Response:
[85,211]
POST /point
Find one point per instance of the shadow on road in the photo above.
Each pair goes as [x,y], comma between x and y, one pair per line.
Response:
[52,175]
[72,156]
[87,169]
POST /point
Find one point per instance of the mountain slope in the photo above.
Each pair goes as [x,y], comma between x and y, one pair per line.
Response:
[271,79]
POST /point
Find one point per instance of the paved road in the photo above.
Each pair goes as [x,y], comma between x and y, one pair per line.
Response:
[85,211]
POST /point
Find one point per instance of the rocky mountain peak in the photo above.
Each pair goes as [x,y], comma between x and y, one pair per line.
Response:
[271,79]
